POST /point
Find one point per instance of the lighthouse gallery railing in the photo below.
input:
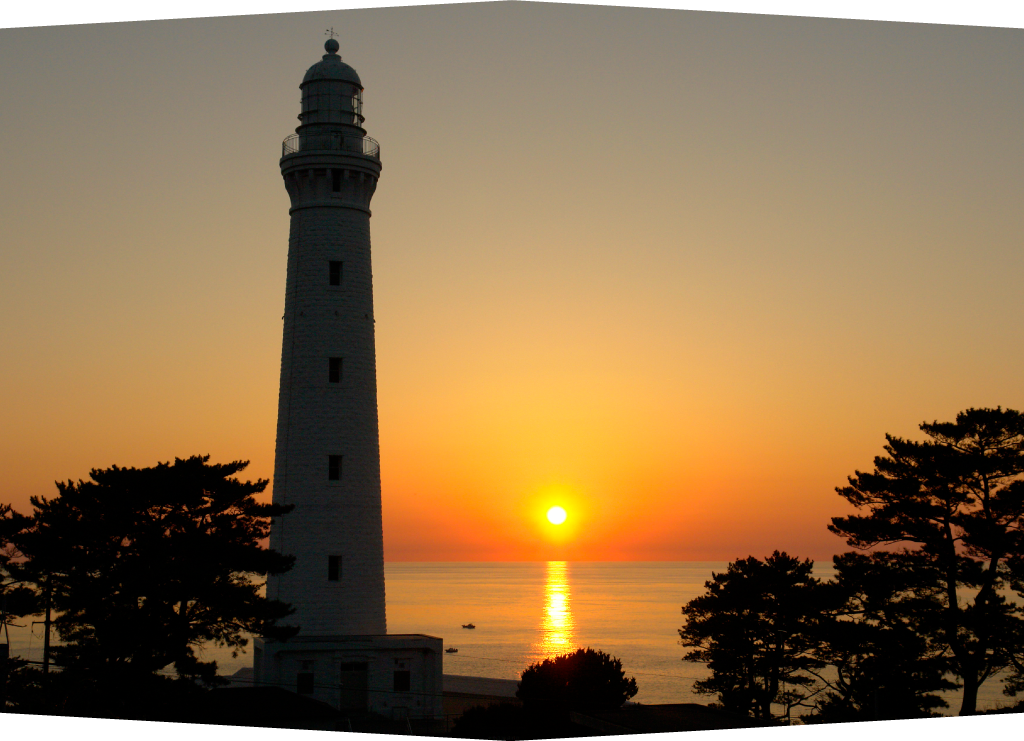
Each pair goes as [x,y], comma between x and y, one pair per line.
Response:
[331,142]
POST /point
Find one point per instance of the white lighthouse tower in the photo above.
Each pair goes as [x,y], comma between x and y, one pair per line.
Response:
[328,456]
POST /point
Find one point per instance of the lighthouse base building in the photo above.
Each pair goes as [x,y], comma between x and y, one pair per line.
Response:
[327,463]
[397,676]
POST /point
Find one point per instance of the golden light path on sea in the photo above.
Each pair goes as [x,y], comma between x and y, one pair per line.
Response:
[558,626]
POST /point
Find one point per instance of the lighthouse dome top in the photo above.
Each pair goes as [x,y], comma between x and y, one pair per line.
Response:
[331,67]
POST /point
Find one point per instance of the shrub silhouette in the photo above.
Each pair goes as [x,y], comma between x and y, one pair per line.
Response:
[582,680]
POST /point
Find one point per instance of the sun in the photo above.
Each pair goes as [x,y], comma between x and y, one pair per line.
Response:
[556,515]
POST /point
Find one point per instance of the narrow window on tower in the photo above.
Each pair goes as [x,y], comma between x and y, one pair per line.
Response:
[336,181]
[334,370]
[334,468]
[334,568]
[334,274]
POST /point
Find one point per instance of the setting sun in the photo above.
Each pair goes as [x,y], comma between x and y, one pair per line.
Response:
[556,515]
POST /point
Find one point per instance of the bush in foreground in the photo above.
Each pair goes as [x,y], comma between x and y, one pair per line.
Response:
[582,680]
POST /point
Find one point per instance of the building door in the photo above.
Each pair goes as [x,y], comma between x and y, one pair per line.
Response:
[353,686]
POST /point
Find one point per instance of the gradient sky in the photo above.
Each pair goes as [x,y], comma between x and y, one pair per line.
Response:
[677,271]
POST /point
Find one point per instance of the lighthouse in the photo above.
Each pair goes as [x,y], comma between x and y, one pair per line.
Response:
[327,462]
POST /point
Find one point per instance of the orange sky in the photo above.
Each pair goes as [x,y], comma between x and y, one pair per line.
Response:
[678,272]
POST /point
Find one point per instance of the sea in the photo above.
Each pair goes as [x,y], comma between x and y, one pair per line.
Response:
[527,611]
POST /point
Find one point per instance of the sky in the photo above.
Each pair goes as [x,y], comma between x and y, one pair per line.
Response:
[678,272]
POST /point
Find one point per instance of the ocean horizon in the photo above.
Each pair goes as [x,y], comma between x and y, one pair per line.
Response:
[525,611]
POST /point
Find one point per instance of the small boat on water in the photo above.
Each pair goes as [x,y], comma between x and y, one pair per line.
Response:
[469,625]
[451,650]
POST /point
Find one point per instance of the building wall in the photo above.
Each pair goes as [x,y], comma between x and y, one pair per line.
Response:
[330,664]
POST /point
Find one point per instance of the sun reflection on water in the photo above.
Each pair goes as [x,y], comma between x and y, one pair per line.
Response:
[558,626]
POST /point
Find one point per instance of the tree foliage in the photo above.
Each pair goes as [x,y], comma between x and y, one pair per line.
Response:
[144,566]
[16,598]
[956,503]
[755,629]
[582,680]
[875,639]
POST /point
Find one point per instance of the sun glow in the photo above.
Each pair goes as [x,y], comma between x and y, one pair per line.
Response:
[556,515]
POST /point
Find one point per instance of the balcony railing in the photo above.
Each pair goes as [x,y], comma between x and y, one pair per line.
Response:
[330,142]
